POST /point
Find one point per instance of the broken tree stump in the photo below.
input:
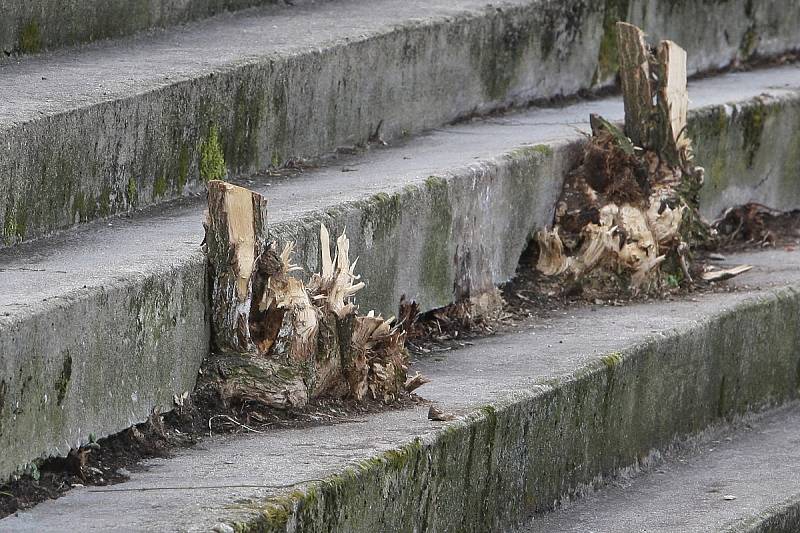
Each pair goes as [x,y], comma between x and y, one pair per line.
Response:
[277,341]
[246,322]
[626,212]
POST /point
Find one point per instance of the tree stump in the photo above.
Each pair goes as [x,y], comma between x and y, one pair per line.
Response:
[624,211]
[277,341]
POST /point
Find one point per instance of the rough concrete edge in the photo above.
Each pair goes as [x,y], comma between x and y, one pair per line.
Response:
[357,487]
[35,26]
[105,370]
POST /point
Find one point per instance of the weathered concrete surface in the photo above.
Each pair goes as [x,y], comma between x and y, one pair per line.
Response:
[545,412]
[758,464]
[751,153]
[89,133]
[443,215]
[30,26]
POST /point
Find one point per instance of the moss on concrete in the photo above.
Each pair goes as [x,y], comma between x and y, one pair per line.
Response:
[752,118]
[212,159]
[62,383]
[160,186]
[242,146]
[749,44]
[437,264]
[536,150]
[30,39]
[132,193]
[497,52]
[381,214]
[549,445]
[14,225]
[611,360]
[607,62]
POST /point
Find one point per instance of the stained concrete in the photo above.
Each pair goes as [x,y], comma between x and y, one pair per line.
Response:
[565,403]
[439,216]
[742,480]
[85,134]
[32,26]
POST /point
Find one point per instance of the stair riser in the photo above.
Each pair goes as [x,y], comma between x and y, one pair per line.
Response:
[784,518]
[100,160]
[99,362]
[751,153]
[496,468]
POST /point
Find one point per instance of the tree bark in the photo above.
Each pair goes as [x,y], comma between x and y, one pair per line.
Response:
[637,92]
[236,237]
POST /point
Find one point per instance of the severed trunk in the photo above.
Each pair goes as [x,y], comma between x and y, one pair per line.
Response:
[622,213]
[257,355]
[278,341]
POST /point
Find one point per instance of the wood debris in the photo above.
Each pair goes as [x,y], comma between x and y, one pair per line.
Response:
[416,381]
[438,415]
[279,341]
[720,274]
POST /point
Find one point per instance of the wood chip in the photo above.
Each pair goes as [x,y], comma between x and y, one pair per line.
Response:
[723,274]
[415,382]
[439,416]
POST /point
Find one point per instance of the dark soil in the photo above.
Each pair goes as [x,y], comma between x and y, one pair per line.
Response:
[531,295]
[753,226]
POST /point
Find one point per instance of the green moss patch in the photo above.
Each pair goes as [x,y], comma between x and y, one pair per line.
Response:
[30,39]
[212,160]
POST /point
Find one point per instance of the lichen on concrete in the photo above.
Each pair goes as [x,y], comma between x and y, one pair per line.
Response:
[212,160]
[437,265]
[607,64]
[30,39]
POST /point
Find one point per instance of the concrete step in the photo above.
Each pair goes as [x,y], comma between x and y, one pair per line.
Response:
[90,133]
[747,479]
[566,402]
[99,325]
[31,26]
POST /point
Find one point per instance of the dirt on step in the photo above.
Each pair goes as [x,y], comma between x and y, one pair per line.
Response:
[532,295]
[111,460]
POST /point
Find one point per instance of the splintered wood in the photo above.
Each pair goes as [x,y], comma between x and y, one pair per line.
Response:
[628,212]
[279,341]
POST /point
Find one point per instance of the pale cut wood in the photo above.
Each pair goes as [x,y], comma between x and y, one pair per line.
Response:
[673,101]
[723,274]
[236,239]
[637,93]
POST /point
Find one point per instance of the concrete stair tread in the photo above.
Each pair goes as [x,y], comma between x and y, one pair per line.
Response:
[734,482]
[91,132]
[32,26]
[62,81]
[225,477]
[109,252]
